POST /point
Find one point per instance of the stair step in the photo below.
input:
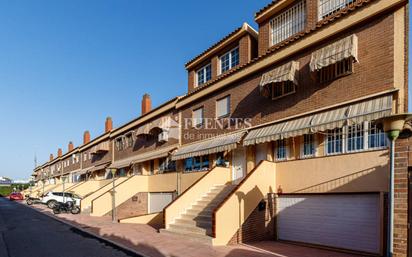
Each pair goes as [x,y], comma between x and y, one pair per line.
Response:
[205,207]
[193,215]
[199,212]
[191,229]
[198,222]
[188,236]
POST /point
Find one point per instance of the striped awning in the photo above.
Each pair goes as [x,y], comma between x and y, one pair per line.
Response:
[286,72]
[98,167]
[100,148]
[161,153]
[163,123]
[264,134]
[222,143]
[333,53]
[350,114]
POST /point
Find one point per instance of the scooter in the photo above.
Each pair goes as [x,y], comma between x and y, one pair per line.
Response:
[67,207]
[32,200]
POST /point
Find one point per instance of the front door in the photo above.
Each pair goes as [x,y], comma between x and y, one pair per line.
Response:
[238,164]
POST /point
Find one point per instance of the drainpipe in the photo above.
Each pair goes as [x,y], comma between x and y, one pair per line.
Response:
[392,135]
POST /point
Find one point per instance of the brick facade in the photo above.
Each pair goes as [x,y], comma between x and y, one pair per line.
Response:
[135,206]
[260,225]
[403,161]
[374,73]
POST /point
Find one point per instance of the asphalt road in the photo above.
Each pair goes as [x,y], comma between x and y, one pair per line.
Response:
[25,232]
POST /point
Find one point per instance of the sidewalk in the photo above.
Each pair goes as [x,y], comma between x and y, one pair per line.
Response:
[146,241]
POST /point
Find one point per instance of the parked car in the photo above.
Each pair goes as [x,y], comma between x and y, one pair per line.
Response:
[15,196]
[51,198]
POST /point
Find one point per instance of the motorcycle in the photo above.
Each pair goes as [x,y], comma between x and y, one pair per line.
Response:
[32,200]
[67,207]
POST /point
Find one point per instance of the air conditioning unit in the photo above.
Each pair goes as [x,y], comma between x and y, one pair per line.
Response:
[163,136]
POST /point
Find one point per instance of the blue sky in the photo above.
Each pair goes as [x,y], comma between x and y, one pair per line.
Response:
[66,65]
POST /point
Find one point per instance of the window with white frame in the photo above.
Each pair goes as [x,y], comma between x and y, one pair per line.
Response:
[376,136]
[129,140]
[334,141]
[358,137]
[223,107]
[355,138]
[329,7]
[197,163]
[203,75]
[288,23]
[119,143]
[229,60]
[281,150]
[85,157]
[308,145]
[197,117]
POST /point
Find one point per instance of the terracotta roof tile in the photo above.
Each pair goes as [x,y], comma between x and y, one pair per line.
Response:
[214,45]
[266,7]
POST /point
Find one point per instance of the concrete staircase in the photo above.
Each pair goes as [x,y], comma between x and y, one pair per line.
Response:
[196,222]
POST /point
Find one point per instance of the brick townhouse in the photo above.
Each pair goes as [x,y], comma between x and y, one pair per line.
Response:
[278,137]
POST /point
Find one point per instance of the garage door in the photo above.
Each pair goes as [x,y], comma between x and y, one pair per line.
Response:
[157,201]
[343,221]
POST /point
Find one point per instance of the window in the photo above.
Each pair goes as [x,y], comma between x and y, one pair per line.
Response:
[288,23]
[85,157]
[355,138]
[198,117]
[151,167]
[166,165]
[229,60]
[282,89]
[329,7]
[281,150]
[334,141]
[336,70]
[203,75]
[119,144]
[308,146]
[129,140]
[358,137]
[376,136]
[221,160]
[223,107]
[198,163]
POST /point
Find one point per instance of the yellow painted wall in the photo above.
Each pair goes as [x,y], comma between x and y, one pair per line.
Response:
[89,187]
[124,191]
[86,201]
[187,179]
[166,182]
[358,172]
[239,205]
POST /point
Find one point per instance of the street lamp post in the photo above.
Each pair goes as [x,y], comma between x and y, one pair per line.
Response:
[113,172]
[64,181]
[393,126]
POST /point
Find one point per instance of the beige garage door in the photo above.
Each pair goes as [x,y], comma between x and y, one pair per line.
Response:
[157,201]
[349,221]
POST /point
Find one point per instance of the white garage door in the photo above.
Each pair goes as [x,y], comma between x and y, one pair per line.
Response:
[157,201]
[344,221]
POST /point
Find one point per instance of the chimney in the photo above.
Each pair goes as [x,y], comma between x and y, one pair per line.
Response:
[51,157]
[86,137]
[146,104]
[70,147]
[108,125]
[59,152]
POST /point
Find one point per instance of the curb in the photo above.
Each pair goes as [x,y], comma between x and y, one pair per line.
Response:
[112,243]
